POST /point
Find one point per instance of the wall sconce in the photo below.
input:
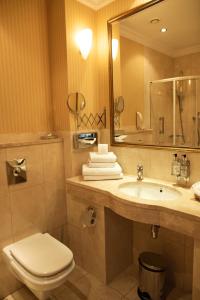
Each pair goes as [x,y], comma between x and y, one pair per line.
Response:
[115,45]
[84,42]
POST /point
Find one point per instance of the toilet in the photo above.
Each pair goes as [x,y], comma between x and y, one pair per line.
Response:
[41,262]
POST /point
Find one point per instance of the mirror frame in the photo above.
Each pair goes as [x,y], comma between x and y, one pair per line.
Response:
[111,93]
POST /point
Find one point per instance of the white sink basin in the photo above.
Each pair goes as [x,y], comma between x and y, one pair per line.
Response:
[149,191]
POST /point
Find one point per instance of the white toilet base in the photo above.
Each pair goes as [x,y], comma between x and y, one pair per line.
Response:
[42,292]
[41,286]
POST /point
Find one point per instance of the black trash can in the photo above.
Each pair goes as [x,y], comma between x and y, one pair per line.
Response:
[152,269]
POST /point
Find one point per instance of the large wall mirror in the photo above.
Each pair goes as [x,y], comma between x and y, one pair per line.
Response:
[155,75]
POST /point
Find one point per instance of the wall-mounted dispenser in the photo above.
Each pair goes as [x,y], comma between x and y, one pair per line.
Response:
[89,217]
[16,171]
[85,140]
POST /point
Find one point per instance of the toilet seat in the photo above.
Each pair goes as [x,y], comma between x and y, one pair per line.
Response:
[41,255]
[31,255]
[41,283]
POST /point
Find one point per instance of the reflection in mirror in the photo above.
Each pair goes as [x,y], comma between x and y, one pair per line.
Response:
[157,73]
[118,109]
[76,102]
[119,104]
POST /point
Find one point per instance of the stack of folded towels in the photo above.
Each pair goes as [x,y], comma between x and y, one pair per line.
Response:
[102,165]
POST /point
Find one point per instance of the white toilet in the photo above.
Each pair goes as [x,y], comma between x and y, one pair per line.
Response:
[41,262]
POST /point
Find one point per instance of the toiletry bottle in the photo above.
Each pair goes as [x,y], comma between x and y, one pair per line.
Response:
[176,166]
[185,167]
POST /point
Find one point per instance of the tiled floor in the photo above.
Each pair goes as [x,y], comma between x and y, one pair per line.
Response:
[83,286]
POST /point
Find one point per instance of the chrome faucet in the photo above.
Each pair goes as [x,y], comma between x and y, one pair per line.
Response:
[139,172]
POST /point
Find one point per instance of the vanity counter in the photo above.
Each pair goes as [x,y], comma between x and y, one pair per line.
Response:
[181,215]
[186,205]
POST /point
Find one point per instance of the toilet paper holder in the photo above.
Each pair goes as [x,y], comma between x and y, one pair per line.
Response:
[89,217]
[16,171]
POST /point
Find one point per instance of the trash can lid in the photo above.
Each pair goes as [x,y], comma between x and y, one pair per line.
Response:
[152,261]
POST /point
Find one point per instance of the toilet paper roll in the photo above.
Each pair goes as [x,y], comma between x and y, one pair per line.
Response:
[103,148]
[88,218]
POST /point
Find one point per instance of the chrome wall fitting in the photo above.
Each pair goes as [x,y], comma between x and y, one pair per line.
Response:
[16,171]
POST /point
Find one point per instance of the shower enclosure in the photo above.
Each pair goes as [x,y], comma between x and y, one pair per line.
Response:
[175,111]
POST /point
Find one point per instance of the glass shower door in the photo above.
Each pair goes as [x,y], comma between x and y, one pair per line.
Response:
[161,103]
[175,111]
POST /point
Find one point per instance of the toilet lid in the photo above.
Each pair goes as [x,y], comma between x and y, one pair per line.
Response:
[42,255]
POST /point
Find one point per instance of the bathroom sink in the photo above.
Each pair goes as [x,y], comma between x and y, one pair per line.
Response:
[149,191]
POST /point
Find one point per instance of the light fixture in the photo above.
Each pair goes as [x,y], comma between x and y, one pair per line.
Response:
[84,42]
[163,29]
[115,45]
[155,21]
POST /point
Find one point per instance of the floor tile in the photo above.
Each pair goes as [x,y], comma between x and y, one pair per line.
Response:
[66,293]
[125,282]
[83,286]
[88,287]
[104,293]
[76,274]
[132,295]
[22,294]
[176,294]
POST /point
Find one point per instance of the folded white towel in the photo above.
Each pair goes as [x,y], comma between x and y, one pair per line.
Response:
[100,165]
[101,157]
[87,171]
[103,177]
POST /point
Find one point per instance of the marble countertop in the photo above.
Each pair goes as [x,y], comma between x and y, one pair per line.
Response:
[185,205]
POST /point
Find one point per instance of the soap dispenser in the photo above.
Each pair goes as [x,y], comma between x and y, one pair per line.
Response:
[185,167]
[176,166]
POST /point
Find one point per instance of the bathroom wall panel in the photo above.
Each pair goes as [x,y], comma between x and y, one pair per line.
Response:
[28,211]
[188,64]
[87,243]
[82,74]
[98,248]
[53,163]
[5,217]
[119,242]
[75,244]
[3,178]
[56,210]
[58,62]
[25,100]
[61,234]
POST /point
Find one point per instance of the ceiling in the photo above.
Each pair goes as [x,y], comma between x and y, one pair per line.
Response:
[180,17]
[96,4]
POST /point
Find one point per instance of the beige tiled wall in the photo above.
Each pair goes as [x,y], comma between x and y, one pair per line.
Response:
[98,248]
[35,206]
[87,243]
